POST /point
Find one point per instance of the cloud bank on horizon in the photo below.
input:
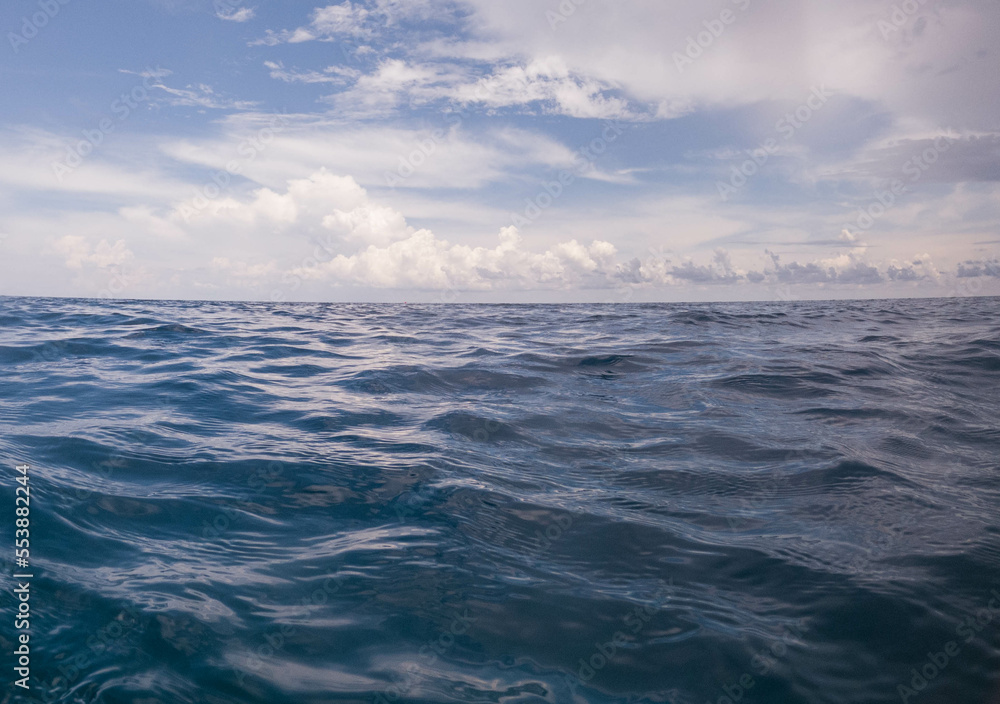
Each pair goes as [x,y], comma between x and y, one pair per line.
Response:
[448,150]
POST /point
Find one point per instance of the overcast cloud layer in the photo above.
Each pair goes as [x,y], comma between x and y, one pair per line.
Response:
[452,150]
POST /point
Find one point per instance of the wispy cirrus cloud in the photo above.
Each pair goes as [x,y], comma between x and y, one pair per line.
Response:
[459,118]
[235,14]
[326,24]
[202,96]
[330,74]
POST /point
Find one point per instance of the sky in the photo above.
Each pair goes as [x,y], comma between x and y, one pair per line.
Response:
[482,151]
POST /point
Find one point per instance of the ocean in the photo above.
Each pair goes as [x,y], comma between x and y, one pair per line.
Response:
[710,503]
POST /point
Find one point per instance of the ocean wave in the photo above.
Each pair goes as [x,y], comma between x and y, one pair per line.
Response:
[275,503]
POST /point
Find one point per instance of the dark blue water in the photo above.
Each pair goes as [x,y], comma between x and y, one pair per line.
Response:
[789,502]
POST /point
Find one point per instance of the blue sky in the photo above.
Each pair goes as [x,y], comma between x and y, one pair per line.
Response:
[472,150]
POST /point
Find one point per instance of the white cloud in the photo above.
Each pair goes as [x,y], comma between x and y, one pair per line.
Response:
[976,269]
[356,20]
[149,72]
[547,81]
[353,241]
[242,14]
[368,223]
[423,261]
[446,153]
[327,23]
[393,84]
[313,197]
[433,105]
[371,244]
[365,243]
[340,19]
[243,270]
[393,11]
[545,85]
[79,252]
[918,268]
[202,96]
[28,157]
[330,74]
[720,270]
[937,68]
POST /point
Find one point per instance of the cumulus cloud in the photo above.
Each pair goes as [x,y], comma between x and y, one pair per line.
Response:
[720,270]
[305,199]
[368,223]
[363,242]
[848,268]
[357,241]
[371,244]
[976,269]
[423,261]
[860,274]
[428,104]
[78,252]
[920,268]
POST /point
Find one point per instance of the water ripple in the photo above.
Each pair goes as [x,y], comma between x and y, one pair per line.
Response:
[238,502]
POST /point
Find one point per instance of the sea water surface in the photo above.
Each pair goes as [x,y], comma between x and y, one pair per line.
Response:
[763,502]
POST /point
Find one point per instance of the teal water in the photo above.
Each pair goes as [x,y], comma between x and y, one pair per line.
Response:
[243,503]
